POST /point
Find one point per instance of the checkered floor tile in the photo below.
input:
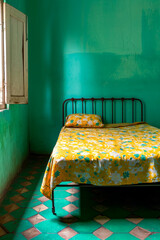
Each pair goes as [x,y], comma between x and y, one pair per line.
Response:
[112,213]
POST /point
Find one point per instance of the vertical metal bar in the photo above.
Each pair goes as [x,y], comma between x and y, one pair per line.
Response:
[102,108]
[63,112]
[141,111]
[122,109]
[72,105]
[64,108]
[53,206]
[92,106]
[82,104]
[112,109]
[132,110]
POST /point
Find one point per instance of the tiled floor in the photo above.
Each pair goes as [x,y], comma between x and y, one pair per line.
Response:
[85,213]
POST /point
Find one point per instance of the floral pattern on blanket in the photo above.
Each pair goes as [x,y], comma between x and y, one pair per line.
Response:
[104,156]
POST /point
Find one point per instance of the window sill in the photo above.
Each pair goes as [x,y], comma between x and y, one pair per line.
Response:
[3,107]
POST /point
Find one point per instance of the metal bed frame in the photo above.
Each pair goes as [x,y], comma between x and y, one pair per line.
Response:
[93,101]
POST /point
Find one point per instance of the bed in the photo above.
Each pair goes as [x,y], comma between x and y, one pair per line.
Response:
[115,155]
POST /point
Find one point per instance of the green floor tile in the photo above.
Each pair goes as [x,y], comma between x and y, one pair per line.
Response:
[32,187]
[37,194]
[49,236]
[2,211]
[59,203]
[29,212]
[19,180]
[76,213]
[87,213]
[65,183]
[51,226]
[38,174]
[24,174]
[121,236]
[23,225]
[85,227]
[61,212]
[61,194]
[38,180]
[116,212]
[76,203]
[84,237]
[150,224]
[11,193]
[48,203]
[154,236]
[35,182]
[23,213]
[77,194]
[48,214]
[29,204]
[119,225]
[18,213]
[18,226]
[59,208]
[12,236]
[36,187]
[6,201]
[16,186]
[27,195]
[62,188]
[8,236]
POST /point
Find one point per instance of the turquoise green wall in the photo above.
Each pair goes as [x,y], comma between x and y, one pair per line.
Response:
[13,134]
[21,5]
[90,48]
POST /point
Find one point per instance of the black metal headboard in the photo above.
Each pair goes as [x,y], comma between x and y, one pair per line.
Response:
[102,100]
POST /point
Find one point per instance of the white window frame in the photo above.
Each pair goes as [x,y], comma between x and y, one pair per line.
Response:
[2,104]
[14,89]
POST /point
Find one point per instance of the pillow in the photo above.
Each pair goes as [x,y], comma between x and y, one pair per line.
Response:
[83,120]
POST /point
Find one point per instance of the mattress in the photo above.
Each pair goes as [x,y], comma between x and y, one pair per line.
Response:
[118,154]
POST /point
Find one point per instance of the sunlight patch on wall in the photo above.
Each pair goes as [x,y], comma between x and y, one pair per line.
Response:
[72,71]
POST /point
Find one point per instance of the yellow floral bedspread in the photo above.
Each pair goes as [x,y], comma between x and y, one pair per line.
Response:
[113,155]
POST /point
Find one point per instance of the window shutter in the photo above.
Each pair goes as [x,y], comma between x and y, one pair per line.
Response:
[2,105]
[16,56]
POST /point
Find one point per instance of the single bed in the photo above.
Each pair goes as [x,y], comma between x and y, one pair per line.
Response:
[117,154]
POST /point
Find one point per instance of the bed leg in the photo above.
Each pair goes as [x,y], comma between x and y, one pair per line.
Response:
[53,207]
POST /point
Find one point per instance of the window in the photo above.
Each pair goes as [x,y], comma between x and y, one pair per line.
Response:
[13,56]
[2,101]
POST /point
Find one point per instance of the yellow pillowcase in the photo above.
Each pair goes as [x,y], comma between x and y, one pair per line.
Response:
[84,120]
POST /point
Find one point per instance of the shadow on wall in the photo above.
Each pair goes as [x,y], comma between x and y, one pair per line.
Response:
[45,74]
